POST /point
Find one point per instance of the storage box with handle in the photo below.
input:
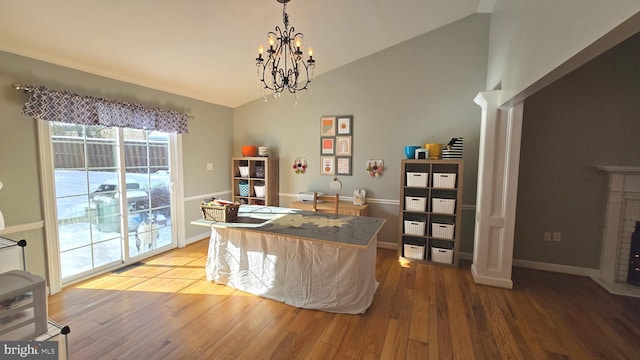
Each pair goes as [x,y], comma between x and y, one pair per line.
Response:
[414,227]
[219,210]
[443,206]
[417,179]
[444,180]
[412,251]
[413,203]
[442,252]
[442,231]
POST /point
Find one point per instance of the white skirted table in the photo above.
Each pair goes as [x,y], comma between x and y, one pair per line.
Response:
[304,259]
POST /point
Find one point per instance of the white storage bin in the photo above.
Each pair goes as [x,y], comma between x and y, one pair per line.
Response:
[442,231]
[414,251]
[444,180]
[440,255]
[415,203]
[417,179]
[259,190]
[10,255]
[443,206]
[24,315]
[414,227]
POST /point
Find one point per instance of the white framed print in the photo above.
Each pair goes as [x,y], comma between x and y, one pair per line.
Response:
[327,165]
[343,165]
[343,145]
[345,125]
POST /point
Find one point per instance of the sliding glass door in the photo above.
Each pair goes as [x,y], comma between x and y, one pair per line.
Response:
[113,196]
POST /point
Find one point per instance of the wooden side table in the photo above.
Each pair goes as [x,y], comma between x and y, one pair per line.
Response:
[345,208]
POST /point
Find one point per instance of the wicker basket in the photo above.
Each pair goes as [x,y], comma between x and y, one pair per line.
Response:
[224,213]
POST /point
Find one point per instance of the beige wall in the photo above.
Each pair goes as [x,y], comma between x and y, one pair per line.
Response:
[20,201]
[588,118]
[420,91]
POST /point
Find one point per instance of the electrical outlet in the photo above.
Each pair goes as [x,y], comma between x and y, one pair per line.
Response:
[557,236]
[210,166]
[547,236]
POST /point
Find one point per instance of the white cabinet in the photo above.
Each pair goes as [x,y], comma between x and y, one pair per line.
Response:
[430,204]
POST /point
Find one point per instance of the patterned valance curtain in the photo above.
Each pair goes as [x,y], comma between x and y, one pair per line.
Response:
[63,106]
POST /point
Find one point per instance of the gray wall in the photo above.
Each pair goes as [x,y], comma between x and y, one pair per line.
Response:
[20,201]
[416,92]
[587,118]
[420,91]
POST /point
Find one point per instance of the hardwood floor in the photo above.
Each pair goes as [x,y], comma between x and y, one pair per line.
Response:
[165,309]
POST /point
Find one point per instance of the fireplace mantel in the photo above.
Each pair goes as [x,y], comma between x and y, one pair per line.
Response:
[623,194]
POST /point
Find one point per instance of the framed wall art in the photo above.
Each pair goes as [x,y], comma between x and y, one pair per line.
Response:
[344,125]
[327,165]
[343,165]
[336,144]
[343,145]
[328,126]
[327,145]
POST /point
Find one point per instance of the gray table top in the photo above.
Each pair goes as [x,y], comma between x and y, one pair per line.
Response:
[340,229]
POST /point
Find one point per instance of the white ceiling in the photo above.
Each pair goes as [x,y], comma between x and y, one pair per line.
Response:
[206,49]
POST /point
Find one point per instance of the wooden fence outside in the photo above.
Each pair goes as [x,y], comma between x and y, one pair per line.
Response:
[71,155]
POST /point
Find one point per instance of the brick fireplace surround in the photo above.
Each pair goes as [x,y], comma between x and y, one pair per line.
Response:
[622,212]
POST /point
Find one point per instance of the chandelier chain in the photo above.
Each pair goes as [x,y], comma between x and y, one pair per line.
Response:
[285,17]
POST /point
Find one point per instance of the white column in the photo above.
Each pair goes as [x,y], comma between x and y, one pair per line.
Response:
[498,164]
[612,225]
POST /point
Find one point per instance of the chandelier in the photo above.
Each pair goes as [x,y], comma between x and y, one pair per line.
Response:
[284,68]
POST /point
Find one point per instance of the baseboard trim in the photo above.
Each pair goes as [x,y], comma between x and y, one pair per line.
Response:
[565,269]
[197,238]
[491,281]
[387,245]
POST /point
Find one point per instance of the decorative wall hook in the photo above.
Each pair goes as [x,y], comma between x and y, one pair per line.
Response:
[375,168]
[299,165]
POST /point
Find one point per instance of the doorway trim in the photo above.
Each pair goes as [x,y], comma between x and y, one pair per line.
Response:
[498,167]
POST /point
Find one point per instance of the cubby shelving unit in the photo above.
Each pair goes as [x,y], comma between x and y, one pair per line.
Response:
[430,211]
[261,171]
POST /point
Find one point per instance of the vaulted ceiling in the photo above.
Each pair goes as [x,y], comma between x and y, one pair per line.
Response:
[206,49]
